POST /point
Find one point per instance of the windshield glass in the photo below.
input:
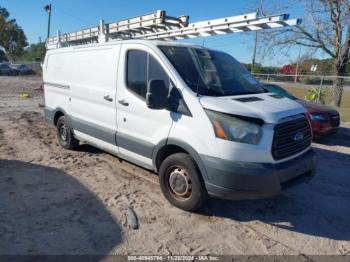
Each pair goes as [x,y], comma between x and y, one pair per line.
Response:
[211,73]
[279,91]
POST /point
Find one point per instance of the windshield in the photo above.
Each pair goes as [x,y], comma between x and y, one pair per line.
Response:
[279,91]
[211,73]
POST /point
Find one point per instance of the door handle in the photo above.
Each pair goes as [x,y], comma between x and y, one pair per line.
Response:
[123,102]
[108,98]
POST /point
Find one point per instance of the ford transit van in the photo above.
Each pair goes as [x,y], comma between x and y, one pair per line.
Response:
[193,115]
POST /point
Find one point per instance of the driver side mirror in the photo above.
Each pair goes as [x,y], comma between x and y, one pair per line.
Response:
[157,94]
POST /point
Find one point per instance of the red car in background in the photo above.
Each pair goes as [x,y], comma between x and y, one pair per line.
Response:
[324,120]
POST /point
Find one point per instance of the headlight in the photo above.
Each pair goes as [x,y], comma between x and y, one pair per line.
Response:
[317,117]
[234,129]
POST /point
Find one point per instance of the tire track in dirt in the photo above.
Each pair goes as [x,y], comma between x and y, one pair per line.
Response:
[168,244]
[232,243]
[36,143]
[4,146]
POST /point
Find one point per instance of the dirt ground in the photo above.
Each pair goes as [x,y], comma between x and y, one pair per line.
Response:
[54,201]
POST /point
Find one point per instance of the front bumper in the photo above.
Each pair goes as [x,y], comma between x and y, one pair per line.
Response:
[240,180]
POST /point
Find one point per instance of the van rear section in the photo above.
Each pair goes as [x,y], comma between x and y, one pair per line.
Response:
[193,115]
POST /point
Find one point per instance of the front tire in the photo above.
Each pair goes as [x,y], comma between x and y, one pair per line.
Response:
[181,182]
[65,135]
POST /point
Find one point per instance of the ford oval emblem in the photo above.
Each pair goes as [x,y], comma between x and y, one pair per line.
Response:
[298,136]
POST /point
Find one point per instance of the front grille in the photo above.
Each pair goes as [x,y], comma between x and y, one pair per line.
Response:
[335,120]
[291,137]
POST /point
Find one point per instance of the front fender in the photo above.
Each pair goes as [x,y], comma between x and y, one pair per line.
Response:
[186,147]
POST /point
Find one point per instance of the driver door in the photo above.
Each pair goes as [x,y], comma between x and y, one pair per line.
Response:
[140,128]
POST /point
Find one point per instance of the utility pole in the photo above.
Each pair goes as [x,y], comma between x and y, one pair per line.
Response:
[254,52]
[297,68]
[258,11]
[48,9]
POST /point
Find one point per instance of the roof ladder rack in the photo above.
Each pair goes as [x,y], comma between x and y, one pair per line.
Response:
[159,26]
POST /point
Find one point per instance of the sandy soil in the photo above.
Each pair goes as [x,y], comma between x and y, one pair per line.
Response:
[54,201]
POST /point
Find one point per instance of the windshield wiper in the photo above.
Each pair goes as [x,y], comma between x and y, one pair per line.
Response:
[210,92]
[247,93]
[206,92]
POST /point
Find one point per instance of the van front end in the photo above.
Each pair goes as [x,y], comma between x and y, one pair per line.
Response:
[257,159]
[247,142]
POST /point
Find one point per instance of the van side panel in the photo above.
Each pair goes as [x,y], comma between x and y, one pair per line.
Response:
[56,75]
[93,82]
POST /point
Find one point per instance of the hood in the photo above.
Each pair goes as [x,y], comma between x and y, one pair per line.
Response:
[266,106]
[313,107]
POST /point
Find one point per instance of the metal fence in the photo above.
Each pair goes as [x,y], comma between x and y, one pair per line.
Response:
[31,64]
[304,80]
[301,84]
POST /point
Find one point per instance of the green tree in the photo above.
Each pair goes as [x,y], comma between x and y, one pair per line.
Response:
[35,52]
[326,27]
[12,37]
[2,56]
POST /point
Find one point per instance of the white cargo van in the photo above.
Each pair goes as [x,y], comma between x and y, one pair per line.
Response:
[193,115]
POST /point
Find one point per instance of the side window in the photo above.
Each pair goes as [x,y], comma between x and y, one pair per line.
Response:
[137,72]
[142,67]
[156,72]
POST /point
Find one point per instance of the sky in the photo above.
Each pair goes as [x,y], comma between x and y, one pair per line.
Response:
[71,15]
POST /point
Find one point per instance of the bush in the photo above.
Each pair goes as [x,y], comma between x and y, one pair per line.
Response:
[316,95]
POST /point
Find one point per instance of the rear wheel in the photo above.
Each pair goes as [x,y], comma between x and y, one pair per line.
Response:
[65,135]
[181,182]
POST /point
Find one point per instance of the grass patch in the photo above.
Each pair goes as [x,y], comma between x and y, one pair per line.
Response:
[344,109]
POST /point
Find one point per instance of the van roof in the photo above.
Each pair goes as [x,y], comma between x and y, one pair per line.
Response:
[138,41]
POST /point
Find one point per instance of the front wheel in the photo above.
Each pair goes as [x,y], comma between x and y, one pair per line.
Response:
[65,135]
[181,182]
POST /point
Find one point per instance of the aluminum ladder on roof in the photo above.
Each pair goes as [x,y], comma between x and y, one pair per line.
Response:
[159,26]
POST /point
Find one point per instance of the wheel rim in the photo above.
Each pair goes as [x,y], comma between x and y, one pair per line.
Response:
[179,183]
[63,132]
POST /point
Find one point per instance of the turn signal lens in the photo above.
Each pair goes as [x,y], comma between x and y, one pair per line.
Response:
[219,131]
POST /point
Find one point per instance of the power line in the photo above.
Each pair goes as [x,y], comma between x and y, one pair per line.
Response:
[72,16]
